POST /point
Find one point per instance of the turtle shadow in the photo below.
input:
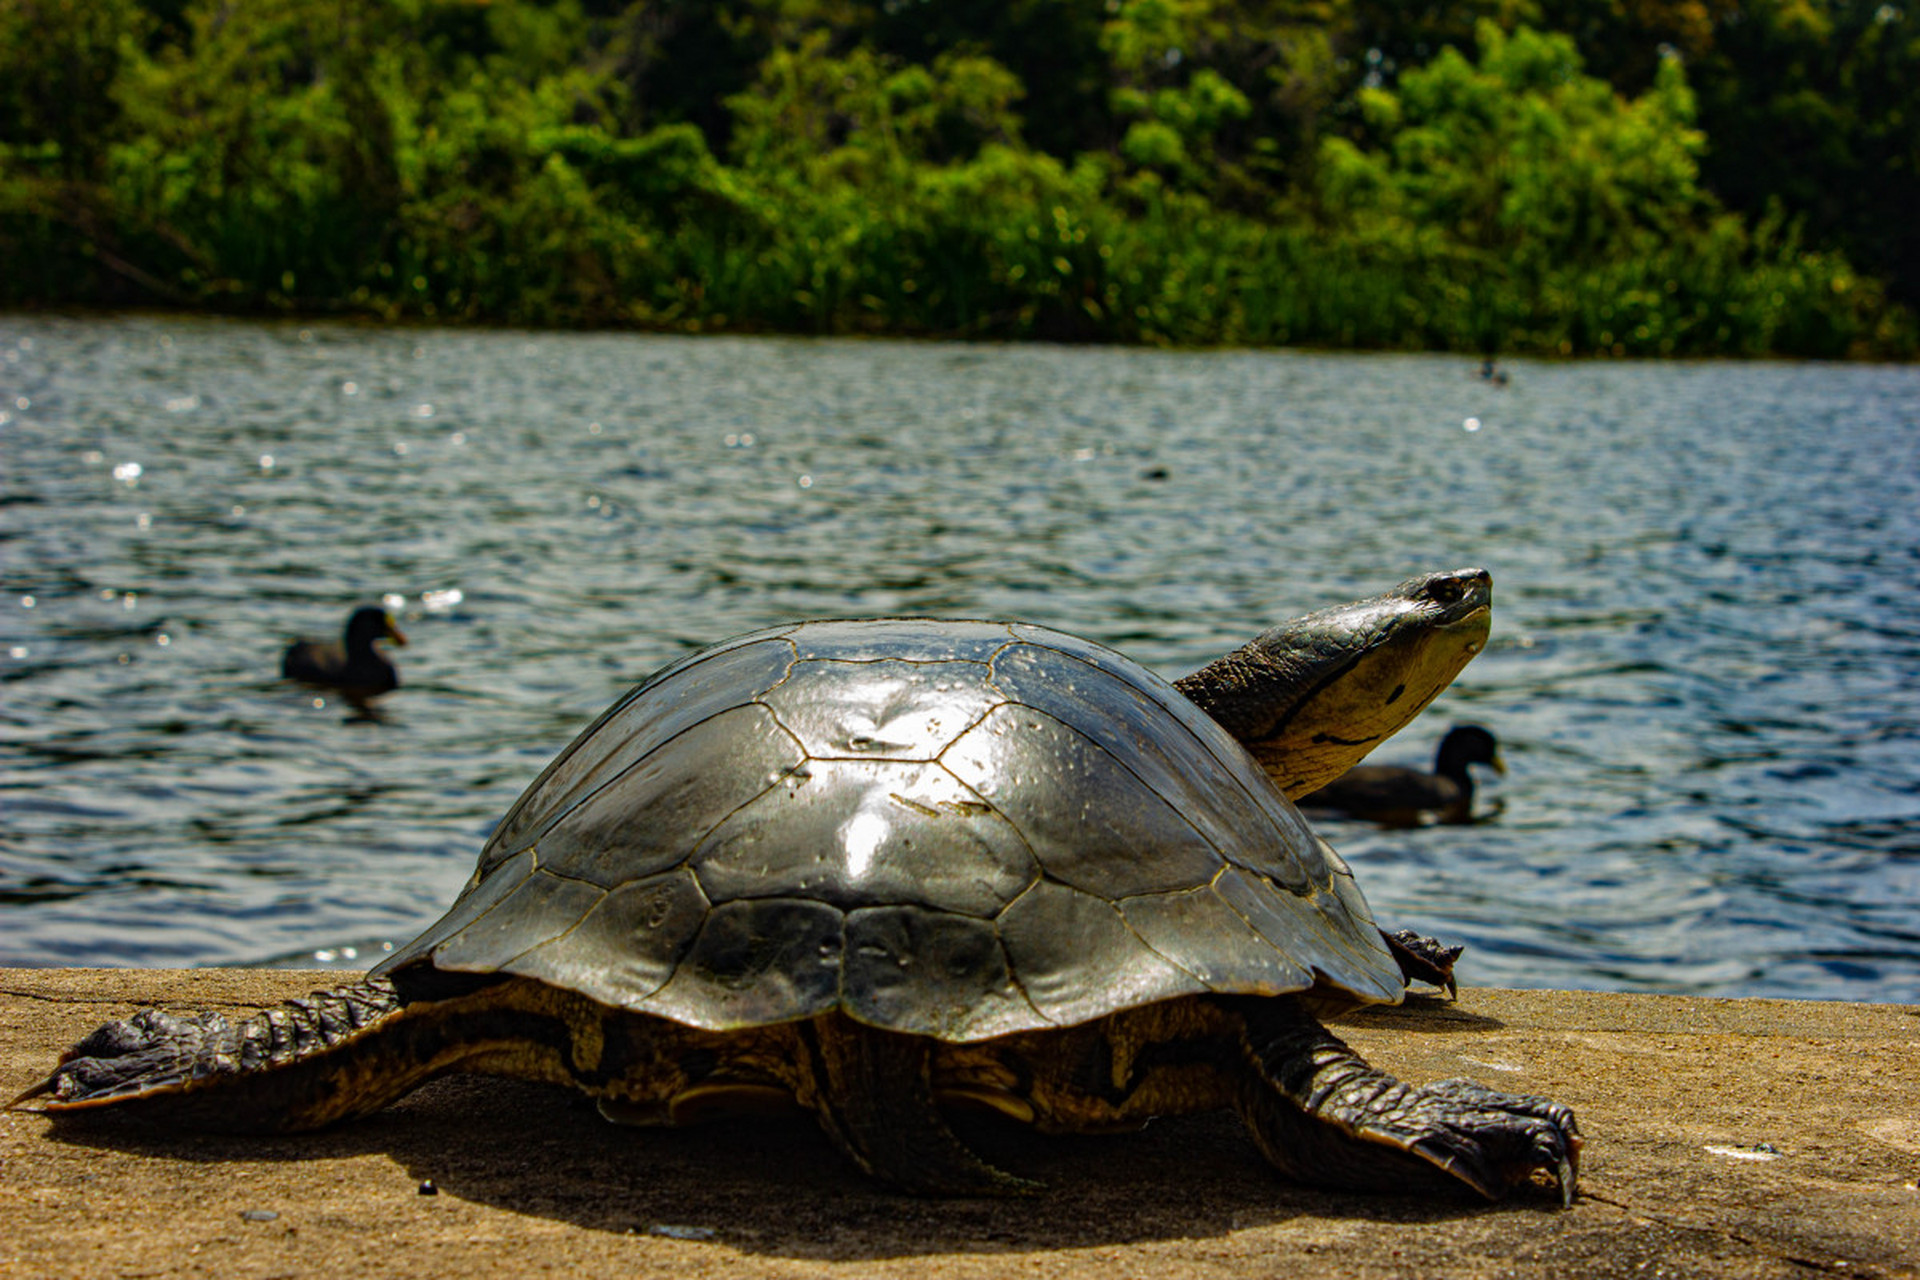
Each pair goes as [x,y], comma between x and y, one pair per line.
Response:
[775,1186]
[1417,1012]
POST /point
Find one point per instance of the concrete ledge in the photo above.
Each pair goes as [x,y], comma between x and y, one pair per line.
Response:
[1749,1138]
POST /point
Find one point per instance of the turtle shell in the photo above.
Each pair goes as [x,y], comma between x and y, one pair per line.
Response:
[954,829]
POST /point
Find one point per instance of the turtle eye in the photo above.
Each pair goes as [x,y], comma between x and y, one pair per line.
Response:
[1445,590]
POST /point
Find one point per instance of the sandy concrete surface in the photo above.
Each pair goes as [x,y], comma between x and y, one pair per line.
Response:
[1749,1138]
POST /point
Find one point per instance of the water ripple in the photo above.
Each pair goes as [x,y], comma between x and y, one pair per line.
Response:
[1705,670]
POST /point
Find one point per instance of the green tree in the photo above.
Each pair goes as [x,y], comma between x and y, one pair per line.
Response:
[59,64]
[1523,154]
[1816,107]
[266,144]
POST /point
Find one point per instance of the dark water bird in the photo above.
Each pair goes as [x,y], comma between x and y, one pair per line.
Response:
[1400,797]
[351,664]
[1490,371]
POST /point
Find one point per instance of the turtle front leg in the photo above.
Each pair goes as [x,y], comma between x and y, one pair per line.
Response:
[1322,1115]
[1423,959]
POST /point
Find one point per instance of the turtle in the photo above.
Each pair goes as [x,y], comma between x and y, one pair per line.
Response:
[885,868]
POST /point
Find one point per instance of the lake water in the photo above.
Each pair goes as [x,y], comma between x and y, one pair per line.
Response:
[1705,668]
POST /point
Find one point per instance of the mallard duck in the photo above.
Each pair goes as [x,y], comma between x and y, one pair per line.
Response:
[351,664]
[1401,797]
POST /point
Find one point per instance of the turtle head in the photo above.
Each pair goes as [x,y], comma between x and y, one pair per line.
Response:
[1313,696]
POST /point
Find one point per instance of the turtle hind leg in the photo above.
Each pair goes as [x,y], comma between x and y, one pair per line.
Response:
[1322,1115]
[872,1091]
[278,1071]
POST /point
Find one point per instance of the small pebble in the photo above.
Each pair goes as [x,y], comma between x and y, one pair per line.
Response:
[258,1215]
[681,1233]
[428,1189]
[1765,1151]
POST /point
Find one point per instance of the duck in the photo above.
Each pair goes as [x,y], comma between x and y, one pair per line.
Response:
[1396,796]
[351,664]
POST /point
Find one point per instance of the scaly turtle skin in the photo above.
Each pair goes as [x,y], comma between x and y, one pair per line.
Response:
[884,867]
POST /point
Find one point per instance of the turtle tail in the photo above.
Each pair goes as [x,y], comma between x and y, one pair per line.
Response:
[299,1066]
[873,1093]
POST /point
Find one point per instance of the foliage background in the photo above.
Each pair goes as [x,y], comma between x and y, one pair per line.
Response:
[1623,177]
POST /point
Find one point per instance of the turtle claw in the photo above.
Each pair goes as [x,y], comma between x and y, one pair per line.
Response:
[151,1050]
[1327,1116]
[1496,1141]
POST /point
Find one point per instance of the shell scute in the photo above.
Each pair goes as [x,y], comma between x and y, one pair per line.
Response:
[1075,958]
[640,723]
[1195,767]
[1089,820]
[644,820]
[1196,928]
[486,890]
[930,972]
[627,946]
[919,639]
[757,961]
[539,910]
[881,709]
[869,833]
